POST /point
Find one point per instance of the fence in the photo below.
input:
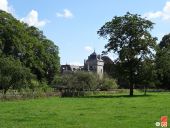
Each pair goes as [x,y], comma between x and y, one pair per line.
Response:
[27,94]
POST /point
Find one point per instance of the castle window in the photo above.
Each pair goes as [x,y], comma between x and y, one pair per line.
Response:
[91,67]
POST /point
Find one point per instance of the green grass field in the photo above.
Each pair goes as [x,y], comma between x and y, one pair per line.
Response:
[116,111]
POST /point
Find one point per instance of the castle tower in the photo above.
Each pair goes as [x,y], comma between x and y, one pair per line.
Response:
[94,63]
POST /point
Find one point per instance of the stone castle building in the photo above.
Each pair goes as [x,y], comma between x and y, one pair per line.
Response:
[94,63]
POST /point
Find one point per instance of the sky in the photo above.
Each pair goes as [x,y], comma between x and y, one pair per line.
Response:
[73,24]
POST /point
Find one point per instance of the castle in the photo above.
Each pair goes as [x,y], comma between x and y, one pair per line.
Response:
[94,63]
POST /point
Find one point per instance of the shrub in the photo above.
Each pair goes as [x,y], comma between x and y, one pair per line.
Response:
[13,75]
[76,83]
[107,84]
[34,84]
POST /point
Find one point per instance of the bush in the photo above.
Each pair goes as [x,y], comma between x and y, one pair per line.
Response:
[107,84]
[76,83]
[34,84]
[13,75]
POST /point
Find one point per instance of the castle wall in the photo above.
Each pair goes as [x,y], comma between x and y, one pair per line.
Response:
[94,63]
[100,65]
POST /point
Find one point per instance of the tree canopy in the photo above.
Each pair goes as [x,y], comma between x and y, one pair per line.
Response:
[29,46]
[165,42]
[130,39]
[163,62]
[13,74]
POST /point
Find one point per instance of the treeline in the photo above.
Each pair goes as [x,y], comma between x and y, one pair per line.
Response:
[27,58]
[150,73]
[79,82]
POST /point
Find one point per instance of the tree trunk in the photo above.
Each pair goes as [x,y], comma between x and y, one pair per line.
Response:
[145,89]
[131,89]
[5,91]
[131,81]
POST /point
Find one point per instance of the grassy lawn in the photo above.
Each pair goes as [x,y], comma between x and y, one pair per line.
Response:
[115,111]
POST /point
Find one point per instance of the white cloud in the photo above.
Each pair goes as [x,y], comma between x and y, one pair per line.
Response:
[164,14]
[88,48]
[65,14]
[153,15]
[32,19]
[5,7]
[167,7]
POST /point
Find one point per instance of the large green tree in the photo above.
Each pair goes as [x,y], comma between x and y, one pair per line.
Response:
[130,39]
[163,62]
[28,45]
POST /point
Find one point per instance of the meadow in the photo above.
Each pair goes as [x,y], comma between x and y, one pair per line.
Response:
[102,111]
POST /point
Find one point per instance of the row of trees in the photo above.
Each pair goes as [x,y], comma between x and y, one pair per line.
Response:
[26,55]
[140,60]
